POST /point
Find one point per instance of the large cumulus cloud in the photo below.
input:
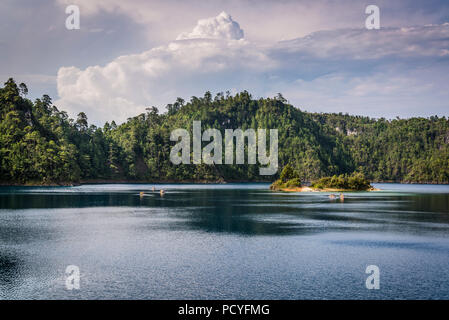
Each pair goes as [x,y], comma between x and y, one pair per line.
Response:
[219,27]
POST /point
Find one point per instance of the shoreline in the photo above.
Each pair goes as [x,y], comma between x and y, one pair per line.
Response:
[100,181]
[220,181]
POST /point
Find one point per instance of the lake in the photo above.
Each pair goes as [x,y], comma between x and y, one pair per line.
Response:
[229,241]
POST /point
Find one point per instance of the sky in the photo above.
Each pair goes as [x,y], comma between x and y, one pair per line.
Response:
[130,55]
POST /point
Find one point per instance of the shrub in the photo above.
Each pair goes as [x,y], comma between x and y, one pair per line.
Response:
[288,173]
[289,178]
[277,185]
[293,183]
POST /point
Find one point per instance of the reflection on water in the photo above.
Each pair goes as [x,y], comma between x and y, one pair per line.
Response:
[223,241]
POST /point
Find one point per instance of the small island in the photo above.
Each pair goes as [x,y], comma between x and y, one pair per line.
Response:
[289,181]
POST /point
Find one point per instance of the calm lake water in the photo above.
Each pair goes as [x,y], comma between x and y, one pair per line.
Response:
[234,241]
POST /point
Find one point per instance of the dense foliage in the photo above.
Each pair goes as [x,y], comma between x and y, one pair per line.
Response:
[408,150]
[288,179]
[41,144]
[355,181]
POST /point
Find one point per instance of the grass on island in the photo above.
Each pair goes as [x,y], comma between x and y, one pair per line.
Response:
[289,181]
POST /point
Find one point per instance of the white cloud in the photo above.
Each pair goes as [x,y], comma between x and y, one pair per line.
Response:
[340,68]
[219,27]
[130,83]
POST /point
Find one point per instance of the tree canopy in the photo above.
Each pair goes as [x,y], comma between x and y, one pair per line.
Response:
[41,144]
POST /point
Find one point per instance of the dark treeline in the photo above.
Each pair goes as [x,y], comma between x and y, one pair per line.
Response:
[41,144]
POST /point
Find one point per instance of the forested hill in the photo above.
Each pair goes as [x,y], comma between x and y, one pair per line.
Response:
[41,144]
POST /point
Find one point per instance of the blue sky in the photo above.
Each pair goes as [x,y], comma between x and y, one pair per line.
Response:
[129,55]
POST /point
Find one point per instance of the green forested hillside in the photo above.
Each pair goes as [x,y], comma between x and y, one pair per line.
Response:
[410,150]
[40,144]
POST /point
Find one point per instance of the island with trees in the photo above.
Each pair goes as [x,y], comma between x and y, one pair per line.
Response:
[344,182]
[289,180]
